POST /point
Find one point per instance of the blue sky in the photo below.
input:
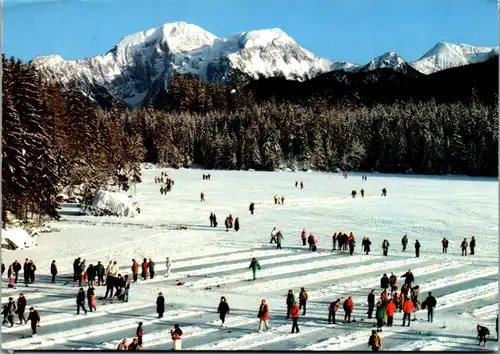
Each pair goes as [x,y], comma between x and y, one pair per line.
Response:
[341,30]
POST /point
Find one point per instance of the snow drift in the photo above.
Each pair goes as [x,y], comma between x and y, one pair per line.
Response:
[17,238]
[107,203]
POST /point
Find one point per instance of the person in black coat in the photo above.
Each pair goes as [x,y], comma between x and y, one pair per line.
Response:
[110,285]
[251,207]
[53,271]
[417,249]
[26,270]
[34,318]
[384,282]
[371,303]
[236,224]
[367,245]
[17,268]
[223,310]
[80,301]
[160,305]
[482,332]
[151,269]
[430,302]
[91,274]
[76,267]
[409,278]
[472,245]
[3,269]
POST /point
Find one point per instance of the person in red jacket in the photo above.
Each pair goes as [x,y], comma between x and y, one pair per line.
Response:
[303,236]
[294,312]
[348,309]
[202,197]
[177,337]
[407,310]
[145,266]
[263,315]
[390,310]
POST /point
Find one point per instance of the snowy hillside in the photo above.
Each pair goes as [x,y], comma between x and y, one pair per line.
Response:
[142,64]
[213,263]
[447,55]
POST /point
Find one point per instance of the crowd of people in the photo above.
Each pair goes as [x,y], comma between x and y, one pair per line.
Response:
[166,183]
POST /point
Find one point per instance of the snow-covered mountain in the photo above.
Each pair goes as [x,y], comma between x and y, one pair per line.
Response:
[142,65]
[446,55]
[148,60]
[390,60]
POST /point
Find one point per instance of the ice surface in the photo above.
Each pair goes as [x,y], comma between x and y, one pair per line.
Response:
[427,208]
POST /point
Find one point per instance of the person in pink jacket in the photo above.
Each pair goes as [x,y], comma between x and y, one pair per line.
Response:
[313,243]
[303,236]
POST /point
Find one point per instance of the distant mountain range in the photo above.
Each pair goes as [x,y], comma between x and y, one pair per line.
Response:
[141,66]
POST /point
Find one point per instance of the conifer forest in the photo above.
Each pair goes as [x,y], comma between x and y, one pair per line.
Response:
[54,137]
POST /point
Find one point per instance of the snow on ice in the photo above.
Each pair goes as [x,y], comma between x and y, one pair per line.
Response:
[213,263]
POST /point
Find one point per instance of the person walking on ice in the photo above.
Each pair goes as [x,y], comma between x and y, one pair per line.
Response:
[464,247]
[263,315]
[34,319]
[160,305]
[430,303]
[417,249]
[273,235]
[303,300]
[472,245]
[254,265]
[177,337]
[168,264]
[375,342]
[223,310]
[290,301]
[385,247]
[445,243]
[279,240]
[80,301]
[404,242]
[295,317]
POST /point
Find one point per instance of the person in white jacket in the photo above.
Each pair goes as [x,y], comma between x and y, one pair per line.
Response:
[112,268]
[273,235]
[168,263]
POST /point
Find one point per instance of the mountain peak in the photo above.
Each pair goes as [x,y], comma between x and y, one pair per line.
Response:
[177,36]
[446,55]
[389,60]
[265,37]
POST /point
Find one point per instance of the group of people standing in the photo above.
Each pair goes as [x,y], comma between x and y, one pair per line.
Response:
[166,182]
[279,200]
[29,269]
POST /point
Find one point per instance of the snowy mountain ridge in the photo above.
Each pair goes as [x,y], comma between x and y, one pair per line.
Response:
[144,63]
[447,55]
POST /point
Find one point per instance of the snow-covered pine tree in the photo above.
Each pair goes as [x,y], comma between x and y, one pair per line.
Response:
[40,160]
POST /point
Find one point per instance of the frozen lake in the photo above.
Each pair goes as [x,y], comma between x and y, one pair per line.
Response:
[424,208]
